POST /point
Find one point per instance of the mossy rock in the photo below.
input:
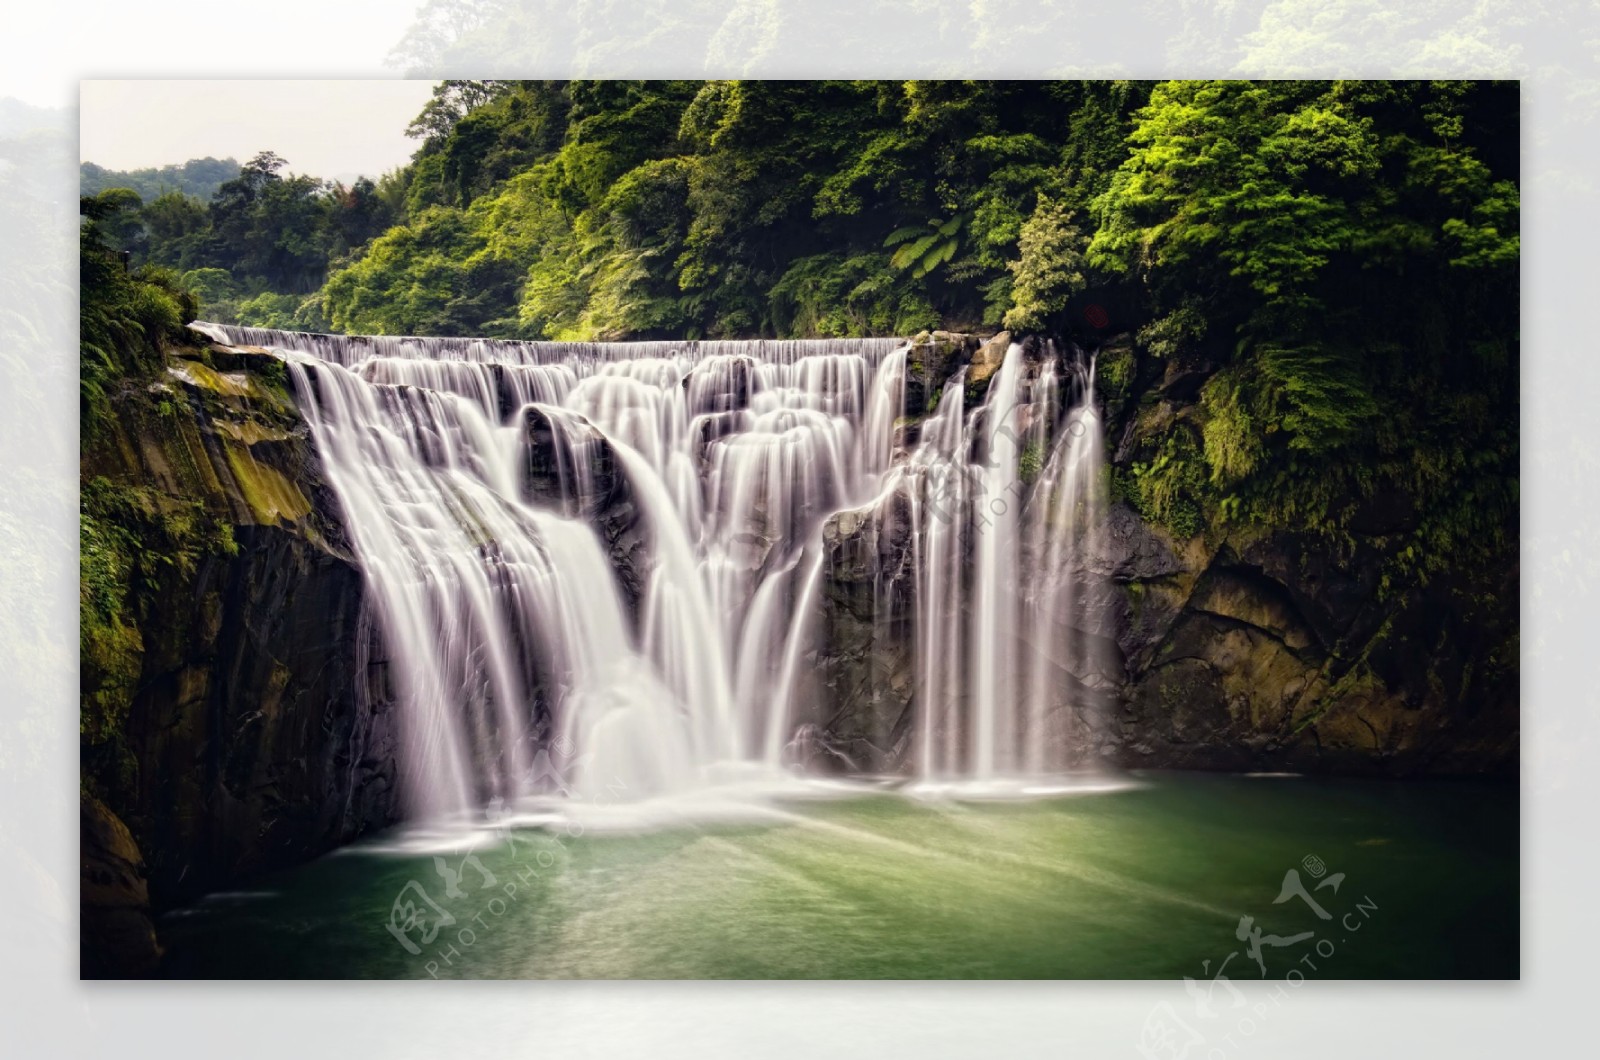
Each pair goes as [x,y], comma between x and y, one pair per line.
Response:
[931,360]
[271,496]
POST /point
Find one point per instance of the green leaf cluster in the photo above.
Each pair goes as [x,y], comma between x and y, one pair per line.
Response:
[131,541]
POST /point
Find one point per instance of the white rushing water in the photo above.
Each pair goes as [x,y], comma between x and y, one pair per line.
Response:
[1008,500]
[532,649]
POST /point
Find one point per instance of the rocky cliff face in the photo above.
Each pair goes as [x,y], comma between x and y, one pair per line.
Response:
[1258,651]
[1267,653]
[234,694]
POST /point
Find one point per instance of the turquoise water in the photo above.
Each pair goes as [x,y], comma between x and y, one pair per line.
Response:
[1146,882]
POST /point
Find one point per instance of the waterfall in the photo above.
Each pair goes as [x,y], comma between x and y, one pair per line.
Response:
[1008,500]
[613,551]
[992,641]
[1064,521]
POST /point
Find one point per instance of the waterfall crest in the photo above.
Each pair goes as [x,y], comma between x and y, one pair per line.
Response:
[595,565]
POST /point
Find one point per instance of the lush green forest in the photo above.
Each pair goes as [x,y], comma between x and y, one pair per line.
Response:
[1333,264]
[609,209]
[253,242]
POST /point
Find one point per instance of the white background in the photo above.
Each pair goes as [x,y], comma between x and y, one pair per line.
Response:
[46,48]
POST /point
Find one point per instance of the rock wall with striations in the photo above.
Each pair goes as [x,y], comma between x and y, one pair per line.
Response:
[235,701]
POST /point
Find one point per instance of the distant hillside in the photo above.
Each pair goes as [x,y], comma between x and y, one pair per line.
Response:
[199,177]
[18,118]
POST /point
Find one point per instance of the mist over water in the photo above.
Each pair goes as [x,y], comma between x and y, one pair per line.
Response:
[639,623]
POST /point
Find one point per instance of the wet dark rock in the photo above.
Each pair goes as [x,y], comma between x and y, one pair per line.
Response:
[1271,656]
[569,467]
[932,359]
[1186,373]
[986,361]
[865,670]
[555,464]
[1131,551]
[712,427]
[727,389]
[255,747]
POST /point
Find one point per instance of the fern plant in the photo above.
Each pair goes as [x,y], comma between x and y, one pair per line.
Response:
[924,248]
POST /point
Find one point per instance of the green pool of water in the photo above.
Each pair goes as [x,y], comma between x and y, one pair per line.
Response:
[1147,882]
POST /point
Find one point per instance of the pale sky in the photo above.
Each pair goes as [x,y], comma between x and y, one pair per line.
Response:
[46,48]
[330,129]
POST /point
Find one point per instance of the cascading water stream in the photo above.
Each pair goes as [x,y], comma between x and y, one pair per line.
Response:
[510,627]
[1006,503]
[1064,520]
[992,641]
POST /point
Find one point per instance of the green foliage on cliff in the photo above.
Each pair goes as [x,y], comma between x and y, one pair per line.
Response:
[129,537]
[1344,256]
[580,210]
[131,542]
[125,315]
[1167,488]
[110,647]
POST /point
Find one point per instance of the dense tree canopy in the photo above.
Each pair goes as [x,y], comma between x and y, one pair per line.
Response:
[605,209]
[125,315]
[257,246]
[1346,256]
